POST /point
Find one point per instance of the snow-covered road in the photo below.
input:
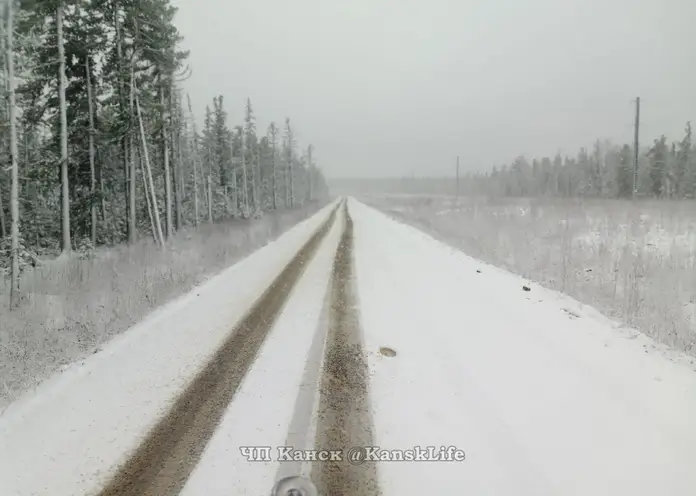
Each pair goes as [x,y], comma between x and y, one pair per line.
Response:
[541,401]
[545,396]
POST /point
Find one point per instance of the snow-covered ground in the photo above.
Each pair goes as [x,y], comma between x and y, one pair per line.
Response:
[632,261]
[543,394]
[66,437]
[262,412]
[71,307]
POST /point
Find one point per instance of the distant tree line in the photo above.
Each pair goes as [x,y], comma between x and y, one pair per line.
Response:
[665,170]
[98,142]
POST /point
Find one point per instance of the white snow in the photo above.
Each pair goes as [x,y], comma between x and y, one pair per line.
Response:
[543,394]
[540,402]
[67,437]
[262,409]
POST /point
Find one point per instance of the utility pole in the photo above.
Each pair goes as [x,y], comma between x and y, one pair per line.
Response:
[635,149]
[456,194]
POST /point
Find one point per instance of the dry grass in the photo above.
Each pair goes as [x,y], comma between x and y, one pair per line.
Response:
[634,262]
[72,307]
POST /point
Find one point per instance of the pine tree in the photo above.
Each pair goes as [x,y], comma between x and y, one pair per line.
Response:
[684,167]
[273,140]
[289,164]
[658,166]
[102,140]
[624,172]
[251,154]
[14,195]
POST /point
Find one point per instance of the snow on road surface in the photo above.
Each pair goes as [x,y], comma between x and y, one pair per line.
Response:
[261,413]
[541,403]
[545,396]
[68,436]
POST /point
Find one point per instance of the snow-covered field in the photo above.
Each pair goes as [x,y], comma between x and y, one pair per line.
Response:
[633,262]
[543,394]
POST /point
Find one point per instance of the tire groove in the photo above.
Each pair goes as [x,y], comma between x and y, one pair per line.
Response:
[344,413]
[166,457]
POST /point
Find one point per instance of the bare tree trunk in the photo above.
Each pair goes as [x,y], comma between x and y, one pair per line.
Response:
[290,178]
[208,196]
[195,161]
[132,152]
[65,225]
[254,194]
[132,147]
[286,180]
[103,197]
[176,152]
[167,172]
[245,186]
[153,229]
[92,172]
[274,139]
[146,159]
[235,193]
[126,139]
[259,181]
[226,192]
[210,199]
[3,225]
[14,189]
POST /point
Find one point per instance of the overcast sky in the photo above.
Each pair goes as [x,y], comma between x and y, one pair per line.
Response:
[400,87]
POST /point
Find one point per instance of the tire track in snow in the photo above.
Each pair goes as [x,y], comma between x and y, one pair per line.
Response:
[344,418]
[166,457]
[301,428]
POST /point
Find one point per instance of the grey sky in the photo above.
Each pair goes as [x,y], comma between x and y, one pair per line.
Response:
[394,87]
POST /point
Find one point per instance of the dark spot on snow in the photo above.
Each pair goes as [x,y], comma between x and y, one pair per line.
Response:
[478,271]
[572,314]
[526,288]
[388,352]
